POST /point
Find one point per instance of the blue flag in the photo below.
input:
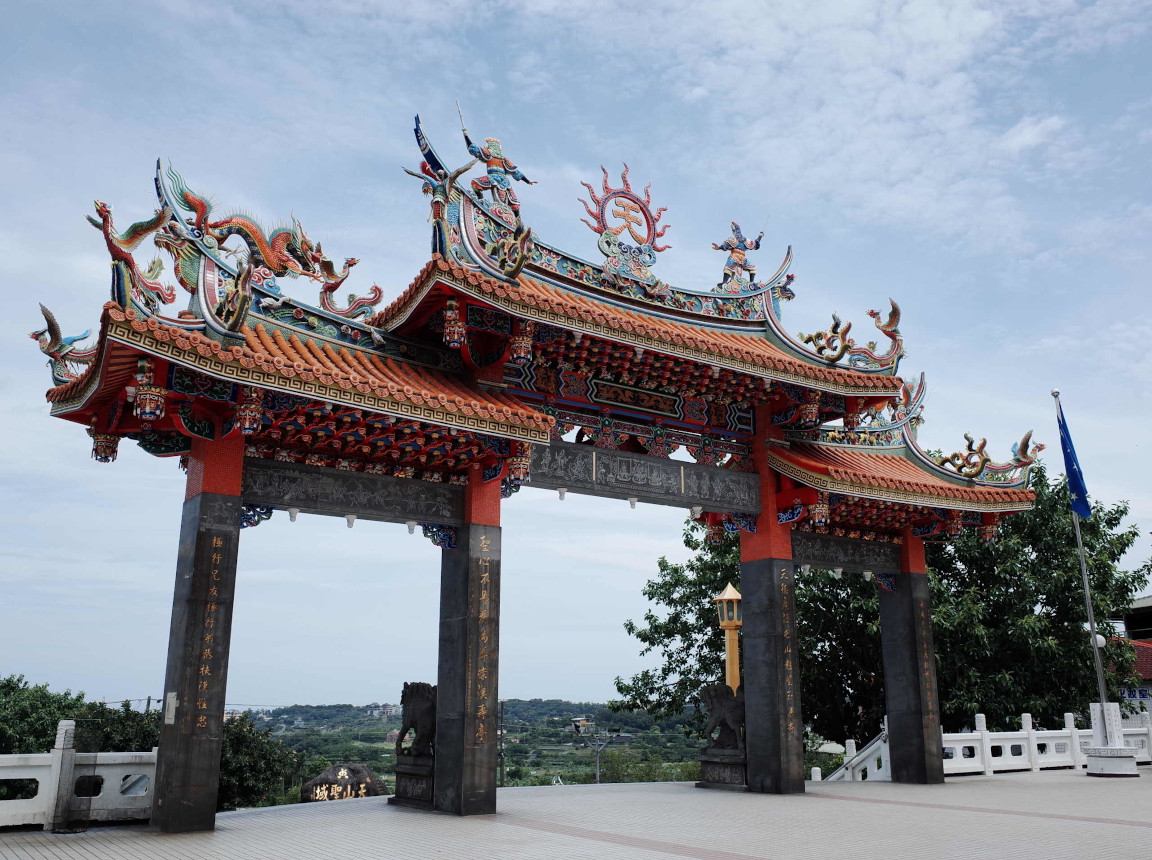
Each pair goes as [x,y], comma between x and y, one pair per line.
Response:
[1076,489]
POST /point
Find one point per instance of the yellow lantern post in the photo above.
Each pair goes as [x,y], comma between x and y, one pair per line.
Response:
[731,620]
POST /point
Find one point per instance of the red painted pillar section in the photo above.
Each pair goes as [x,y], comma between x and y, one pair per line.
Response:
[774,729]
[467,699]
[195,681]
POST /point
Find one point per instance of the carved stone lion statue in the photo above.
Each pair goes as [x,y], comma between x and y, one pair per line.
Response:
[725,710]
[419,712]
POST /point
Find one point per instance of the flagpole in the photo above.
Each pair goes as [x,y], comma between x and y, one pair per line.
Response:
[1103,689]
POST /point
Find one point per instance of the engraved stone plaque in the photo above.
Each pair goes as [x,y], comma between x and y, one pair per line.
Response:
[655,480]
[319,490]
[851,554]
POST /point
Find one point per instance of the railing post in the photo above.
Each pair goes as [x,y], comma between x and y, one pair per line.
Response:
[1146,725]
[817,776]
[849,754]
[885,771]
[1033,753]
[1073,739]
[63,778]
[985,743]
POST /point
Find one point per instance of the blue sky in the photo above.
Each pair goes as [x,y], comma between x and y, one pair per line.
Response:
[985,164]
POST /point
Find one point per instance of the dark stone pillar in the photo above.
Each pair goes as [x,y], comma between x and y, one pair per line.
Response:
[774,731]
[914,741]
[195,681]
[466,684]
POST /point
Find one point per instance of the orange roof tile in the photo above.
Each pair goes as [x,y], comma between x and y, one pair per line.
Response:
[892,473]
[336,366]
[530,292]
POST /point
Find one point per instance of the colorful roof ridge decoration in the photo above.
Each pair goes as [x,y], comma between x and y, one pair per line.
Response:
[535,298]
[890,476]
[487,236]
[443,377]
[876,455]
[310,367]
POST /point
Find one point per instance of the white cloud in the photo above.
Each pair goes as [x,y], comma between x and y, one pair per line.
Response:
[1030,132]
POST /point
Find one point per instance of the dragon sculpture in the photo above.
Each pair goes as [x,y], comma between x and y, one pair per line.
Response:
[975,464]
[64,357]
[141,285]
[970,463]
[232,309]
[834,344]
[285,251]
[831,345]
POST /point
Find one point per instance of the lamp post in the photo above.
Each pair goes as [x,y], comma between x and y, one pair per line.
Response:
[731,620]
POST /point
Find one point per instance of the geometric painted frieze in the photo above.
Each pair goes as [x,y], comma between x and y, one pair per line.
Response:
[656,480]
[320,490]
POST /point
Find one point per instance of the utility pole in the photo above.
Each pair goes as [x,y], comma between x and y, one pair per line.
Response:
[598,746]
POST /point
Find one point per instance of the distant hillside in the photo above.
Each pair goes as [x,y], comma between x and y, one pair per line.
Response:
[538,710]
[516,711]
[327,716]
[535,711]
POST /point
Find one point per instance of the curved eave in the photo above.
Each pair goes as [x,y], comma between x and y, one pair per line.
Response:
[414,392]
[110,371]
[744,353]
[890,477]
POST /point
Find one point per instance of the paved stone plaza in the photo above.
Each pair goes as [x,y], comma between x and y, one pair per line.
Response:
[1053,814]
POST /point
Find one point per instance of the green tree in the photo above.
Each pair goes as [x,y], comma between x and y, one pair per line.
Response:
[29,714]
[680,627]
[838,632]
[1009,615]
[253,765]
[1008,620]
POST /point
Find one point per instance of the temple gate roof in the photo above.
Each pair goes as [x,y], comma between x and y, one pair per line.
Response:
[503,340]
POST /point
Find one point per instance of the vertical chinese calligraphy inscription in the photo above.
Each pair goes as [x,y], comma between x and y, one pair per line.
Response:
[467,699]
[910,672]
[188,761]
[774,729]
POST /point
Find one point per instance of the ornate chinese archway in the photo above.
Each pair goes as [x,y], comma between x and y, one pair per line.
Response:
[459,393]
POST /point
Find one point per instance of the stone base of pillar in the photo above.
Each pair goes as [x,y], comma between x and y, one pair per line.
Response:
[414,779]
[1112,761]
[724,769]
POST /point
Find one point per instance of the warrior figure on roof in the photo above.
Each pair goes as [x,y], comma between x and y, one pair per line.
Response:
[501,172]
[438,183]
[738,247]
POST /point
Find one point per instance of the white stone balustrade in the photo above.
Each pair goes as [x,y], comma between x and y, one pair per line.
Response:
[121,783]
[982,751]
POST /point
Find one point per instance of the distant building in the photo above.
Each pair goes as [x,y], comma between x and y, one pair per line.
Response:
[383,710]
[1137,623]
[583,725]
